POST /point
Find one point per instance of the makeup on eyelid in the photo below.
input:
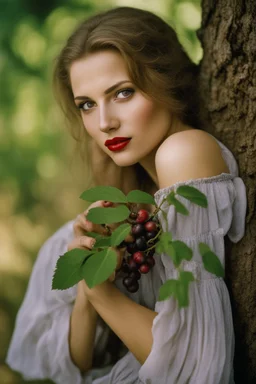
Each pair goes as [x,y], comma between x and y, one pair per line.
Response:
[127,113]
[81,105]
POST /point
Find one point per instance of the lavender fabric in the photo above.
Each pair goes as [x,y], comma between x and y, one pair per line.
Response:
[190,345]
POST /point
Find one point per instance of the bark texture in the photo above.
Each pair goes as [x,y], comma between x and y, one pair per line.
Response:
[228,93]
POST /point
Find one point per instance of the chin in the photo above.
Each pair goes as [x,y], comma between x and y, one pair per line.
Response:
[125,162]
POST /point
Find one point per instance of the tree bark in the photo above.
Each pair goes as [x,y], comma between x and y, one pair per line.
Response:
[228,93]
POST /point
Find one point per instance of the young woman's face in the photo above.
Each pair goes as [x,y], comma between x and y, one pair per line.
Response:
[112,106]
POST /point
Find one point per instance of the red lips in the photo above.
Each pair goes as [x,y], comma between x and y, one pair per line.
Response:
[116,140]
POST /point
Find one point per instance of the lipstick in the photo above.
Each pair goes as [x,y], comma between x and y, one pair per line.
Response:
[117,143]
[118,146]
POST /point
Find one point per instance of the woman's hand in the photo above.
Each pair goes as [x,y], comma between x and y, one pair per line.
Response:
[81,226]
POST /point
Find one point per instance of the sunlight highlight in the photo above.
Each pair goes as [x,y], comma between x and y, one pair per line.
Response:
[12,258]
[28,116]
[47,166]
[189,15]
[29,44]
[60,24]
[160,7]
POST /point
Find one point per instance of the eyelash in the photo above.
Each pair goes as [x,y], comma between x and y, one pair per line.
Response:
[81,105]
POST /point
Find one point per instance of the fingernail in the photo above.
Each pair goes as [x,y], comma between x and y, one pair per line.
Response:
[107,203]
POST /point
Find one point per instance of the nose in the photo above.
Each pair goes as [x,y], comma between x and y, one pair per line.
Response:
[107,119]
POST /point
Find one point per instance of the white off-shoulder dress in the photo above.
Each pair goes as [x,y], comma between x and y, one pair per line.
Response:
[192,345]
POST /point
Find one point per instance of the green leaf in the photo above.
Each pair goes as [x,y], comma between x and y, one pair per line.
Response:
[100,215]
[159,247]
[177,204]
[182,294]
[163,242]
[166,238]
[211,261]
[102,242]
[120,234]
[168,289]
[164,216]
[94,235]
[104,192]
[66,273]
[99,267]
[193,194]
[182,252]
[203,248]
[172,253]
[170,197]
[186,277]
[137,196]
[178,288]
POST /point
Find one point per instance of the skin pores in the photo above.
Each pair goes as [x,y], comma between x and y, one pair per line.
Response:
[124,112]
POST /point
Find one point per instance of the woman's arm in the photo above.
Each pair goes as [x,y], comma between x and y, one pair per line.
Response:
[83,319]
[82,331]
[130,321]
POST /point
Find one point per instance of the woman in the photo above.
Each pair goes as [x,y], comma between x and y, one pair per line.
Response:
[124,76]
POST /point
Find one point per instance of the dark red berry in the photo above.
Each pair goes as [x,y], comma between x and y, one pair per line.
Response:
[151,261]
[144,268]
[143,216]
[133,288]
[135,275]
[141,243]
[138,230]
[132,265]
[150,226]
[128,281]
[125,267]
[150,235]
[151,252]
[131,248]
[138,257]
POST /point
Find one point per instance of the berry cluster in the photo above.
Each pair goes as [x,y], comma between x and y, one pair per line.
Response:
[144,237]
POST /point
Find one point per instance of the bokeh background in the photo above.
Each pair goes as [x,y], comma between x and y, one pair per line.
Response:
[41,174]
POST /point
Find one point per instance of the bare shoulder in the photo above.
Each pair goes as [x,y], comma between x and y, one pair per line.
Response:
[188,155]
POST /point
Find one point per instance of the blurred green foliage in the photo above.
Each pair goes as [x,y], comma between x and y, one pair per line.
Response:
[41,177]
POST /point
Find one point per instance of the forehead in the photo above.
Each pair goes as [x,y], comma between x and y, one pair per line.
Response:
[97,71]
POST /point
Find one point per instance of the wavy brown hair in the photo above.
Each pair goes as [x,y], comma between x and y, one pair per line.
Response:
[157,65]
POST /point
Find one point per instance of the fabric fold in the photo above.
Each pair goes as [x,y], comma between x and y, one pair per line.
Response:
[190,345]
[196,344]
[39,347]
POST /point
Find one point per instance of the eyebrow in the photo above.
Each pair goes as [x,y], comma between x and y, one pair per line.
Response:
[106,92]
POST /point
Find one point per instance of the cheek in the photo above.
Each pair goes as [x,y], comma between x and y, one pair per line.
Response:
[88,126]
[145,113]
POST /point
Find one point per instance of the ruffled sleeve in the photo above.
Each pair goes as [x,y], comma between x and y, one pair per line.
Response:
[39,348]
[196,344]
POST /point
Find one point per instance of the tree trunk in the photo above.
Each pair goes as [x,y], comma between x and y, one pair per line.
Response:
[228,93]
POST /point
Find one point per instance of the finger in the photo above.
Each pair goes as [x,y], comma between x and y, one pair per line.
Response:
[129,238]
[79,228]
[99,228]
[104,229]
[82,225]
[107,203]
[82,242]
[112,277]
